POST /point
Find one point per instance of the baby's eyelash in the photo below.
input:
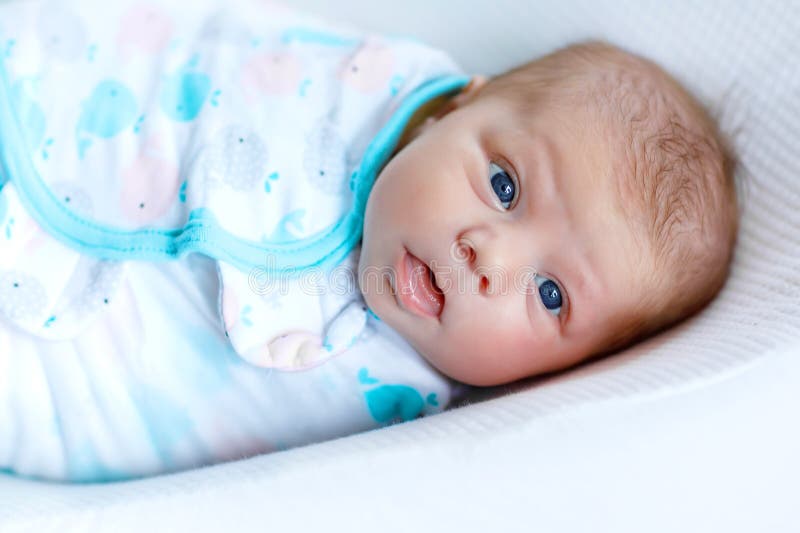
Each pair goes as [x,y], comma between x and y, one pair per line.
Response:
[564,299]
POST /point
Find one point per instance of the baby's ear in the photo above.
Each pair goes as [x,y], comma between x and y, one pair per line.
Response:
[466,95]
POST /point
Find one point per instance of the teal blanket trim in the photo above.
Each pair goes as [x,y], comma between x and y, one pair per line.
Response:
[202,233]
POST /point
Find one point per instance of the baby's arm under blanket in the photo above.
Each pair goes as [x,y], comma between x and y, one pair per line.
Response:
[153,386]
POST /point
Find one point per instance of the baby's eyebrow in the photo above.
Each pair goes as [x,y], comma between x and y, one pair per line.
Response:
[539,172]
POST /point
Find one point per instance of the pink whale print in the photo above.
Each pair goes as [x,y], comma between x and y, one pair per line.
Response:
[149,185]
[37,239]
[145,29]
[270,73]
[370,68]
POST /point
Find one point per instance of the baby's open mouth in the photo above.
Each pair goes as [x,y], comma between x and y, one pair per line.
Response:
[418,290]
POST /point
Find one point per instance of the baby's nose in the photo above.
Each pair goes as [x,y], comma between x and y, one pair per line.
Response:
[486,264]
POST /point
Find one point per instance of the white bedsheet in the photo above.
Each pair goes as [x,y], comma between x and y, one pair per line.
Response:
[694,430]
[715,458]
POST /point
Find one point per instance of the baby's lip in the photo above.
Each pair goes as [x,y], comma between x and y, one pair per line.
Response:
[415,290]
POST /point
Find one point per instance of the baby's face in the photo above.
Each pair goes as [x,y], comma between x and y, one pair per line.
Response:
[518,224]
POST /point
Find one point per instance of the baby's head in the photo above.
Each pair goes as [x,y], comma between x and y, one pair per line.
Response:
[566,209]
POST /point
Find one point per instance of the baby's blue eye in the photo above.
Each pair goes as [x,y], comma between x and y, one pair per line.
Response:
[503,185]
[549,293]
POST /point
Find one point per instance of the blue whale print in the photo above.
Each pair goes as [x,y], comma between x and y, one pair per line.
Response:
[183,95]
[110,109]
[393,403]
[389,403]
[30,114]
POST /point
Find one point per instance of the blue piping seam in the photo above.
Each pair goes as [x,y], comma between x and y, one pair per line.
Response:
[202,233]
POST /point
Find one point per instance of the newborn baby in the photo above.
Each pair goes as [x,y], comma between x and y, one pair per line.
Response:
[487,230]
[561,210]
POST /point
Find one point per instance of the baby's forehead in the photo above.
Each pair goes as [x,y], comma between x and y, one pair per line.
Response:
[626,120]
[582,163]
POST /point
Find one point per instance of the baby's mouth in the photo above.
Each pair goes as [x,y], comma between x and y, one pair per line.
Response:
[417,289]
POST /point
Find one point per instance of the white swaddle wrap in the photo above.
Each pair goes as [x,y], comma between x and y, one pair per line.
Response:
[243,131]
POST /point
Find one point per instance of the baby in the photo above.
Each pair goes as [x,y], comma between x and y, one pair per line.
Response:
[562,210]
[493,229]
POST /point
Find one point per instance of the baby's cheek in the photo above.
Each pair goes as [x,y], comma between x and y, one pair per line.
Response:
[489,355]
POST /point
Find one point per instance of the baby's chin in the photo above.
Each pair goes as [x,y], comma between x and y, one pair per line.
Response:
[466,369]
[474,368]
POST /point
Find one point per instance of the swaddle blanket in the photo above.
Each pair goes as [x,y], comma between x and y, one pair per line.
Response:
[135,132]
[242,131]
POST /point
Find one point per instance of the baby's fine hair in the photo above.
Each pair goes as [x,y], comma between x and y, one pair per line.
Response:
[674,172]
